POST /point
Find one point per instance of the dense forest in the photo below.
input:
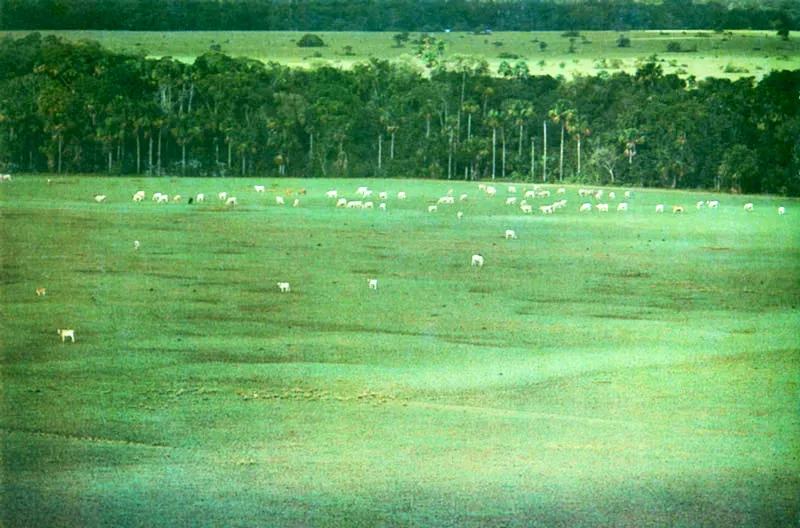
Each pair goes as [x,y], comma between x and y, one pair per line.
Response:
[396,15]
[76,107]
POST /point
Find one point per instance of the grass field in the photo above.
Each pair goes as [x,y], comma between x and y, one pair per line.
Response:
[625,369]
[728,55]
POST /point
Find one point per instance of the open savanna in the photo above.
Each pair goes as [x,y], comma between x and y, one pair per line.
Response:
[731,54]
[625,369]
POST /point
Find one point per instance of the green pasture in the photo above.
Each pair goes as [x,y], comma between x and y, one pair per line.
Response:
[626,369]
[727,55]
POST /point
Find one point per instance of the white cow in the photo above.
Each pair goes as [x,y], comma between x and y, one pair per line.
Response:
[373,284]
[781,210]
[200,198]
[259,188]
[585,207]
[432,208]
[510,234]
[527,209]
[164,198]
[355,204]
[546,209]
[223,196]
[136,244]
[382,206]
[231,201]
[713,204]
[279,200]
[623,206]
[401,195]
[332,193]
[99,198]
[511,200]
[660,208]
[65,333]
[5,177]
[477,260]
[677,209]
[459,215]
[749,207]
[602,208]
[512,189]
[700,204]
[284,287]
[341,202]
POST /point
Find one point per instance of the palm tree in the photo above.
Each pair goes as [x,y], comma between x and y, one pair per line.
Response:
[495,119]
[579,129]
[561,113]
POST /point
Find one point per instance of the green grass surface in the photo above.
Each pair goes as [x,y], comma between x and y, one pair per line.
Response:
[728,55]
[626,369]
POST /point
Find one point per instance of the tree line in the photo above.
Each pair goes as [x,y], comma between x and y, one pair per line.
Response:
[395,15]
[77,107]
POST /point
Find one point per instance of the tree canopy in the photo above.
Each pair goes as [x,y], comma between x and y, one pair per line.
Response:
[77,107]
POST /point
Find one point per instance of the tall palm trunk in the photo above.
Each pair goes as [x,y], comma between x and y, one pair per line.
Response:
[138,154]
[494,151]
[544,153]
[561,158]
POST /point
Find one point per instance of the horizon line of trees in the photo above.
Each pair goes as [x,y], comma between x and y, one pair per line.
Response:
[77,107]
[394,15]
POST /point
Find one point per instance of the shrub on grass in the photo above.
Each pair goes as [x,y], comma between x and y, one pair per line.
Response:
[309,40]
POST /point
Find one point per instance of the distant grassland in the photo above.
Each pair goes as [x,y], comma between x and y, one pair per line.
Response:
[730,54]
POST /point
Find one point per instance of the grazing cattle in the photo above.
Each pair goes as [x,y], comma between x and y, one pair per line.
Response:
[462,197]
[585,207]
[259,188]
[459,215]
[612,195]
[382,206]
[446,200]
[748,207]
[138,198]
[598,195]
[510,234]
[231,201]
[156,196]
[511,200]
[623,206]
[284,287]
[296,202]
[65,333]
[700,204]
[164,198]
[332,193]
[223,196]
[362,191]
[5,177]
[432,208]
[660,208]
[546,209]
[527,209]
[477,261]
[368,205]
[490,190]
[677,209]
[176,198]
[40,292]
[355,204]
[627,194]
[713,204]
[99,198]
[373,284]
[341,202]
[383,195]
[543,194]
[200,198]
[602,208]
[530,194]
[512,189]
[279,200]
[561,190]
[401,195]
[781,210]
[136,244]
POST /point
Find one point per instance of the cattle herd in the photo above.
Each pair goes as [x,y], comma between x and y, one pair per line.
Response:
[590,200]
